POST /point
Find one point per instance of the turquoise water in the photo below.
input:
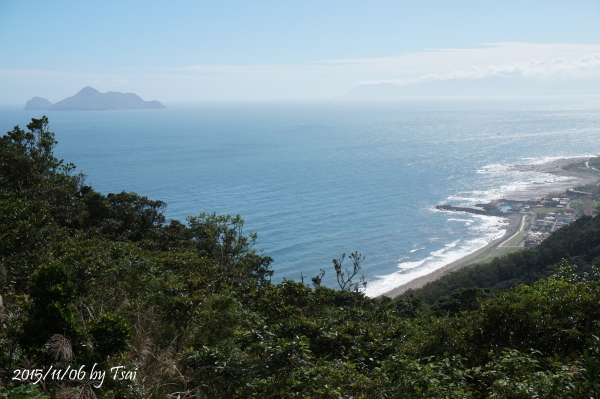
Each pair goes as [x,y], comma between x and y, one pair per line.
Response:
[316,179]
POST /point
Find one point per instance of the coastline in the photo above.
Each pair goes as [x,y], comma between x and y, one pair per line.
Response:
[555,167]
[511,229]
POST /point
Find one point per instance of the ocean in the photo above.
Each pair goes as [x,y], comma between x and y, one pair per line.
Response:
[321,178]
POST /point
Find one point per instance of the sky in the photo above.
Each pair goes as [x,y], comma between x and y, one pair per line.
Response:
[281,50]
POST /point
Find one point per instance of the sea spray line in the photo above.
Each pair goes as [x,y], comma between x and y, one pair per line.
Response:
[543,181]
[543,160]
[489,229]
[412,265]
[503,167]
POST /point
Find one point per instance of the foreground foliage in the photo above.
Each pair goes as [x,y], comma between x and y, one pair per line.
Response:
[87,278]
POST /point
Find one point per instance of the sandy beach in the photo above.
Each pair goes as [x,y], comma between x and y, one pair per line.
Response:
[511,229]
[569,179]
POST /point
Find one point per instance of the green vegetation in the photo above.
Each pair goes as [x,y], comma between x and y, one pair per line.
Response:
[189,310]
[492,254]
[527,220]
[579,204]
[593,163]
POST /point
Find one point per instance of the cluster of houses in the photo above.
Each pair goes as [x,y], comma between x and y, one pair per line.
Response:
[541,228]
[555,203]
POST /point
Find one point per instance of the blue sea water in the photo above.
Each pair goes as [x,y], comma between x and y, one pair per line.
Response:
[316,179]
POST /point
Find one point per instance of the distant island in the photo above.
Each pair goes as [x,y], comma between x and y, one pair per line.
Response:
[90,99]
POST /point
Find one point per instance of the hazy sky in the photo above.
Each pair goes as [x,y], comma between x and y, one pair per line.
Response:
[220,50]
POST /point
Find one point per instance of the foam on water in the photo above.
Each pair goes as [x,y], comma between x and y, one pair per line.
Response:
[467,222]
[543,160]
[500,168]
[416,250]
[483,230]
[411,265]
[494,168]
[509,180]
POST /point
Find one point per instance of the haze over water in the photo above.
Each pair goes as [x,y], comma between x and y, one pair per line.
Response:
[316,179]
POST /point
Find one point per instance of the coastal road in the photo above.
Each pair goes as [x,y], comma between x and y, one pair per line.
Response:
[519,231]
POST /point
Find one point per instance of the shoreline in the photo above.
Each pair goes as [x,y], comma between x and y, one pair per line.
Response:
[511,229]
[554,167]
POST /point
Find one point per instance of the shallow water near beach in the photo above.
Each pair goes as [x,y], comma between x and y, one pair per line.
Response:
[316,179]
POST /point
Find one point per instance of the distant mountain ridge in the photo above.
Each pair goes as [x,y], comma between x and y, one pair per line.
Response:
[493,86]
[90,99]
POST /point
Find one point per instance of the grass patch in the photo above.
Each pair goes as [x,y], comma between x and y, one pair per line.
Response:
[516,240]
[578,204]
[490,254]
[501,251]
